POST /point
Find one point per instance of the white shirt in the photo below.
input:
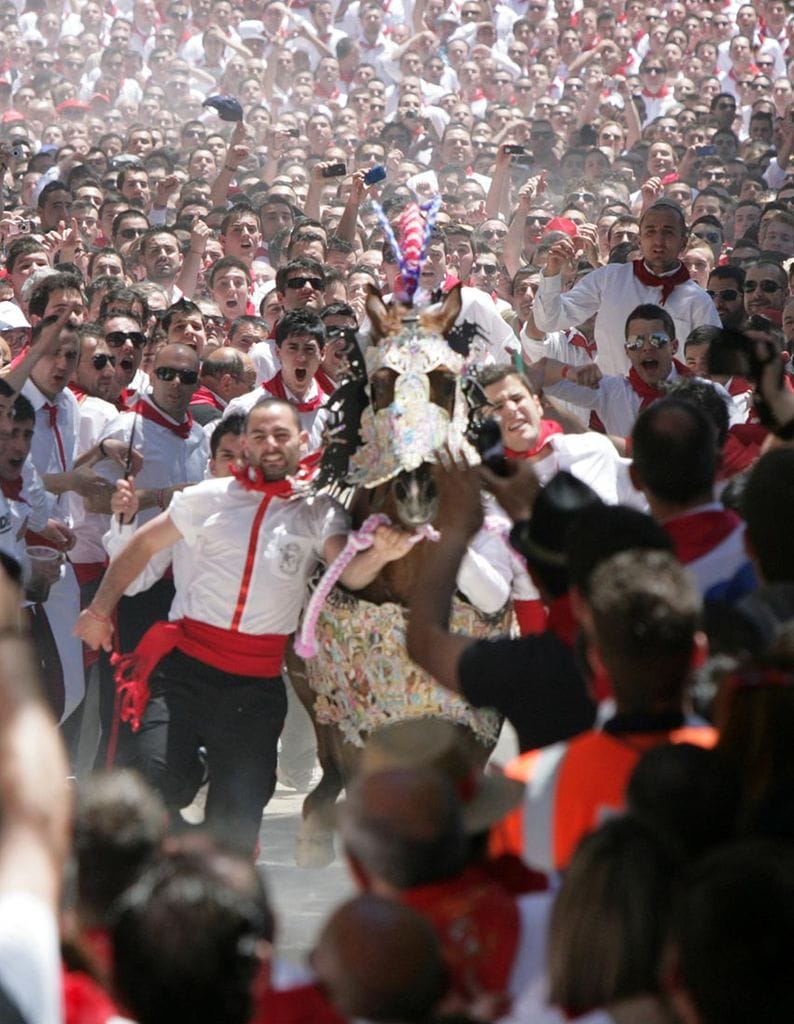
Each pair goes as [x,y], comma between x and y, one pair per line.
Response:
[313,421]
[612,292]
[47,454]
[167,459]
[96,417]
[217,520]
[557,345]
[30,960]
[263,356]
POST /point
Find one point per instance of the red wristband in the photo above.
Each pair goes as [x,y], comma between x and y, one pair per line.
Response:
[95,615]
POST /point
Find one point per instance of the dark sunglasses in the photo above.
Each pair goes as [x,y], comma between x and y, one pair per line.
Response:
[493,233]
[132,232]
[767,287]
[712,237]
[100,361]
[729,294]
[117,338]
[485,268]
[169,373]
[298,282]
[217,322]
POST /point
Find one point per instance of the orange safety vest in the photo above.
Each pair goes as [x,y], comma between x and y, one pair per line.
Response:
[572,787]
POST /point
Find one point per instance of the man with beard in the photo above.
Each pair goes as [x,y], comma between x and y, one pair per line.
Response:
[215,668]
[726,288]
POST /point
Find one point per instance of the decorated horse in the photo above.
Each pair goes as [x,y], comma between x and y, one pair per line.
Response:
[386,425]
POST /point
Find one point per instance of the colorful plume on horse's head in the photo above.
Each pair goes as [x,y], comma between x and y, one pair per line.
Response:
[415,226]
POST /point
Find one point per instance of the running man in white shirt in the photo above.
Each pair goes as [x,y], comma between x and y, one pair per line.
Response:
[216,669]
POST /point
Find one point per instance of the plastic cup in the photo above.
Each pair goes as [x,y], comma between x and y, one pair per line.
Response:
[43,569]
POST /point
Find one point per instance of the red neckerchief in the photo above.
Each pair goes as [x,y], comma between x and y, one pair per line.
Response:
[547,429]
[78,392]
[695,534]
[203,396]
[578,340]
[149,412]
[276,388]
[326,385]
[741,449]
[650,392]
[561,621]
[667,283]
[123,399]
[252,479]
[12,489]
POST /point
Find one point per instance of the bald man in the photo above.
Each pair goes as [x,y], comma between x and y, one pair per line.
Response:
[225,374]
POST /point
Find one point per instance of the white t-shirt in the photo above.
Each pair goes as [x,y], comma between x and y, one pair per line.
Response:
[30,962]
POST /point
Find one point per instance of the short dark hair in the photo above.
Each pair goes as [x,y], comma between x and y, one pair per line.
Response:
[667,206]
[302,263]
[705,396]
[649,311]
[49,284]
[231,424]
[178,308]
[300,321]
[49,188]
[22,410]
[227,263]
[728,272]
[497,372]
[674,448]
[768,492]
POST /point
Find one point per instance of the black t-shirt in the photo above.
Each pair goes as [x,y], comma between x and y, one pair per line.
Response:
[534,682]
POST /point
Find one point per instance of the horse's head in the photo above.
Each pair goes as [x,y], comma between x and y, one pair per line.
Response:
[416,404]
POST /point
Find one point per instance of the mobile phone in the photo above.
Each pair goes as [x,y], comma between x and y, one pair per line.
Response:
[513,150]
[705,150]
[335,171]
[294,133]
[375,174]
[491,448]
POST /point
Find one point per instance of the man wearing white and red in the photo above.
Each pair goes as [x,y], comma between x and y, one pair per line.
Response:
[611,292]
[527,436]
[218,681]
[300,341]
[675,463]
[174,450]
[617,400]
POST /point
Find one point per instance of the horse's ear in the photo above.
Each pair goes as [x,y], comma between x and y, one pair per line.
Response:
[377,311]
[450,310]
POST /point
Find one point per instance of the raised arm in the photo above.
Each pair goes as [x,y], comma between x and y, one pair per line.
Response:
[95,627]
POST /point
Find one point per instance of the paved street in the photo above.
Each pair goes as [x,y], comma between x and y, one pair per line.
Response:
[302,897]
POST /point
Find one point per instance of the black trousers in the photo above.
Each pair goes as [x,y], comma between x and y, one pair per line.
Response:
[135,615]
[237,719]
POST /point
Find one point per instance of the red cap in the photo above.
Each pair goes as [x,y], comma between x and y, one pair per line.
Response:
[562,224]
[12,115]
[72,105]
[671,178]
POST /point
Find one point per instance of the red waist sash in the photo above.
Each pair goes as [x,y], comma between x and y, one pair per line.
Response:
[241,654]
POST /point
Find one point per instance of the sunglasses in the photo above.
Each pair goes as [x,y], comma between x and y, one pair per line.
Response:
[117,338]
[585,197]
[637,341]
[100,361]
[485,268]
[169,373]
[712,237]
[543,221]
[767,287]
[653,71]
[217,322]
[316,283]
[728,294]
[493,233]
[132,232]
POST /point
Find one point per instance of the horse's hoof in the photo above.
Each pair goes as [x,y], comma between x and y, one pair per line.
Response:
[315,851]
